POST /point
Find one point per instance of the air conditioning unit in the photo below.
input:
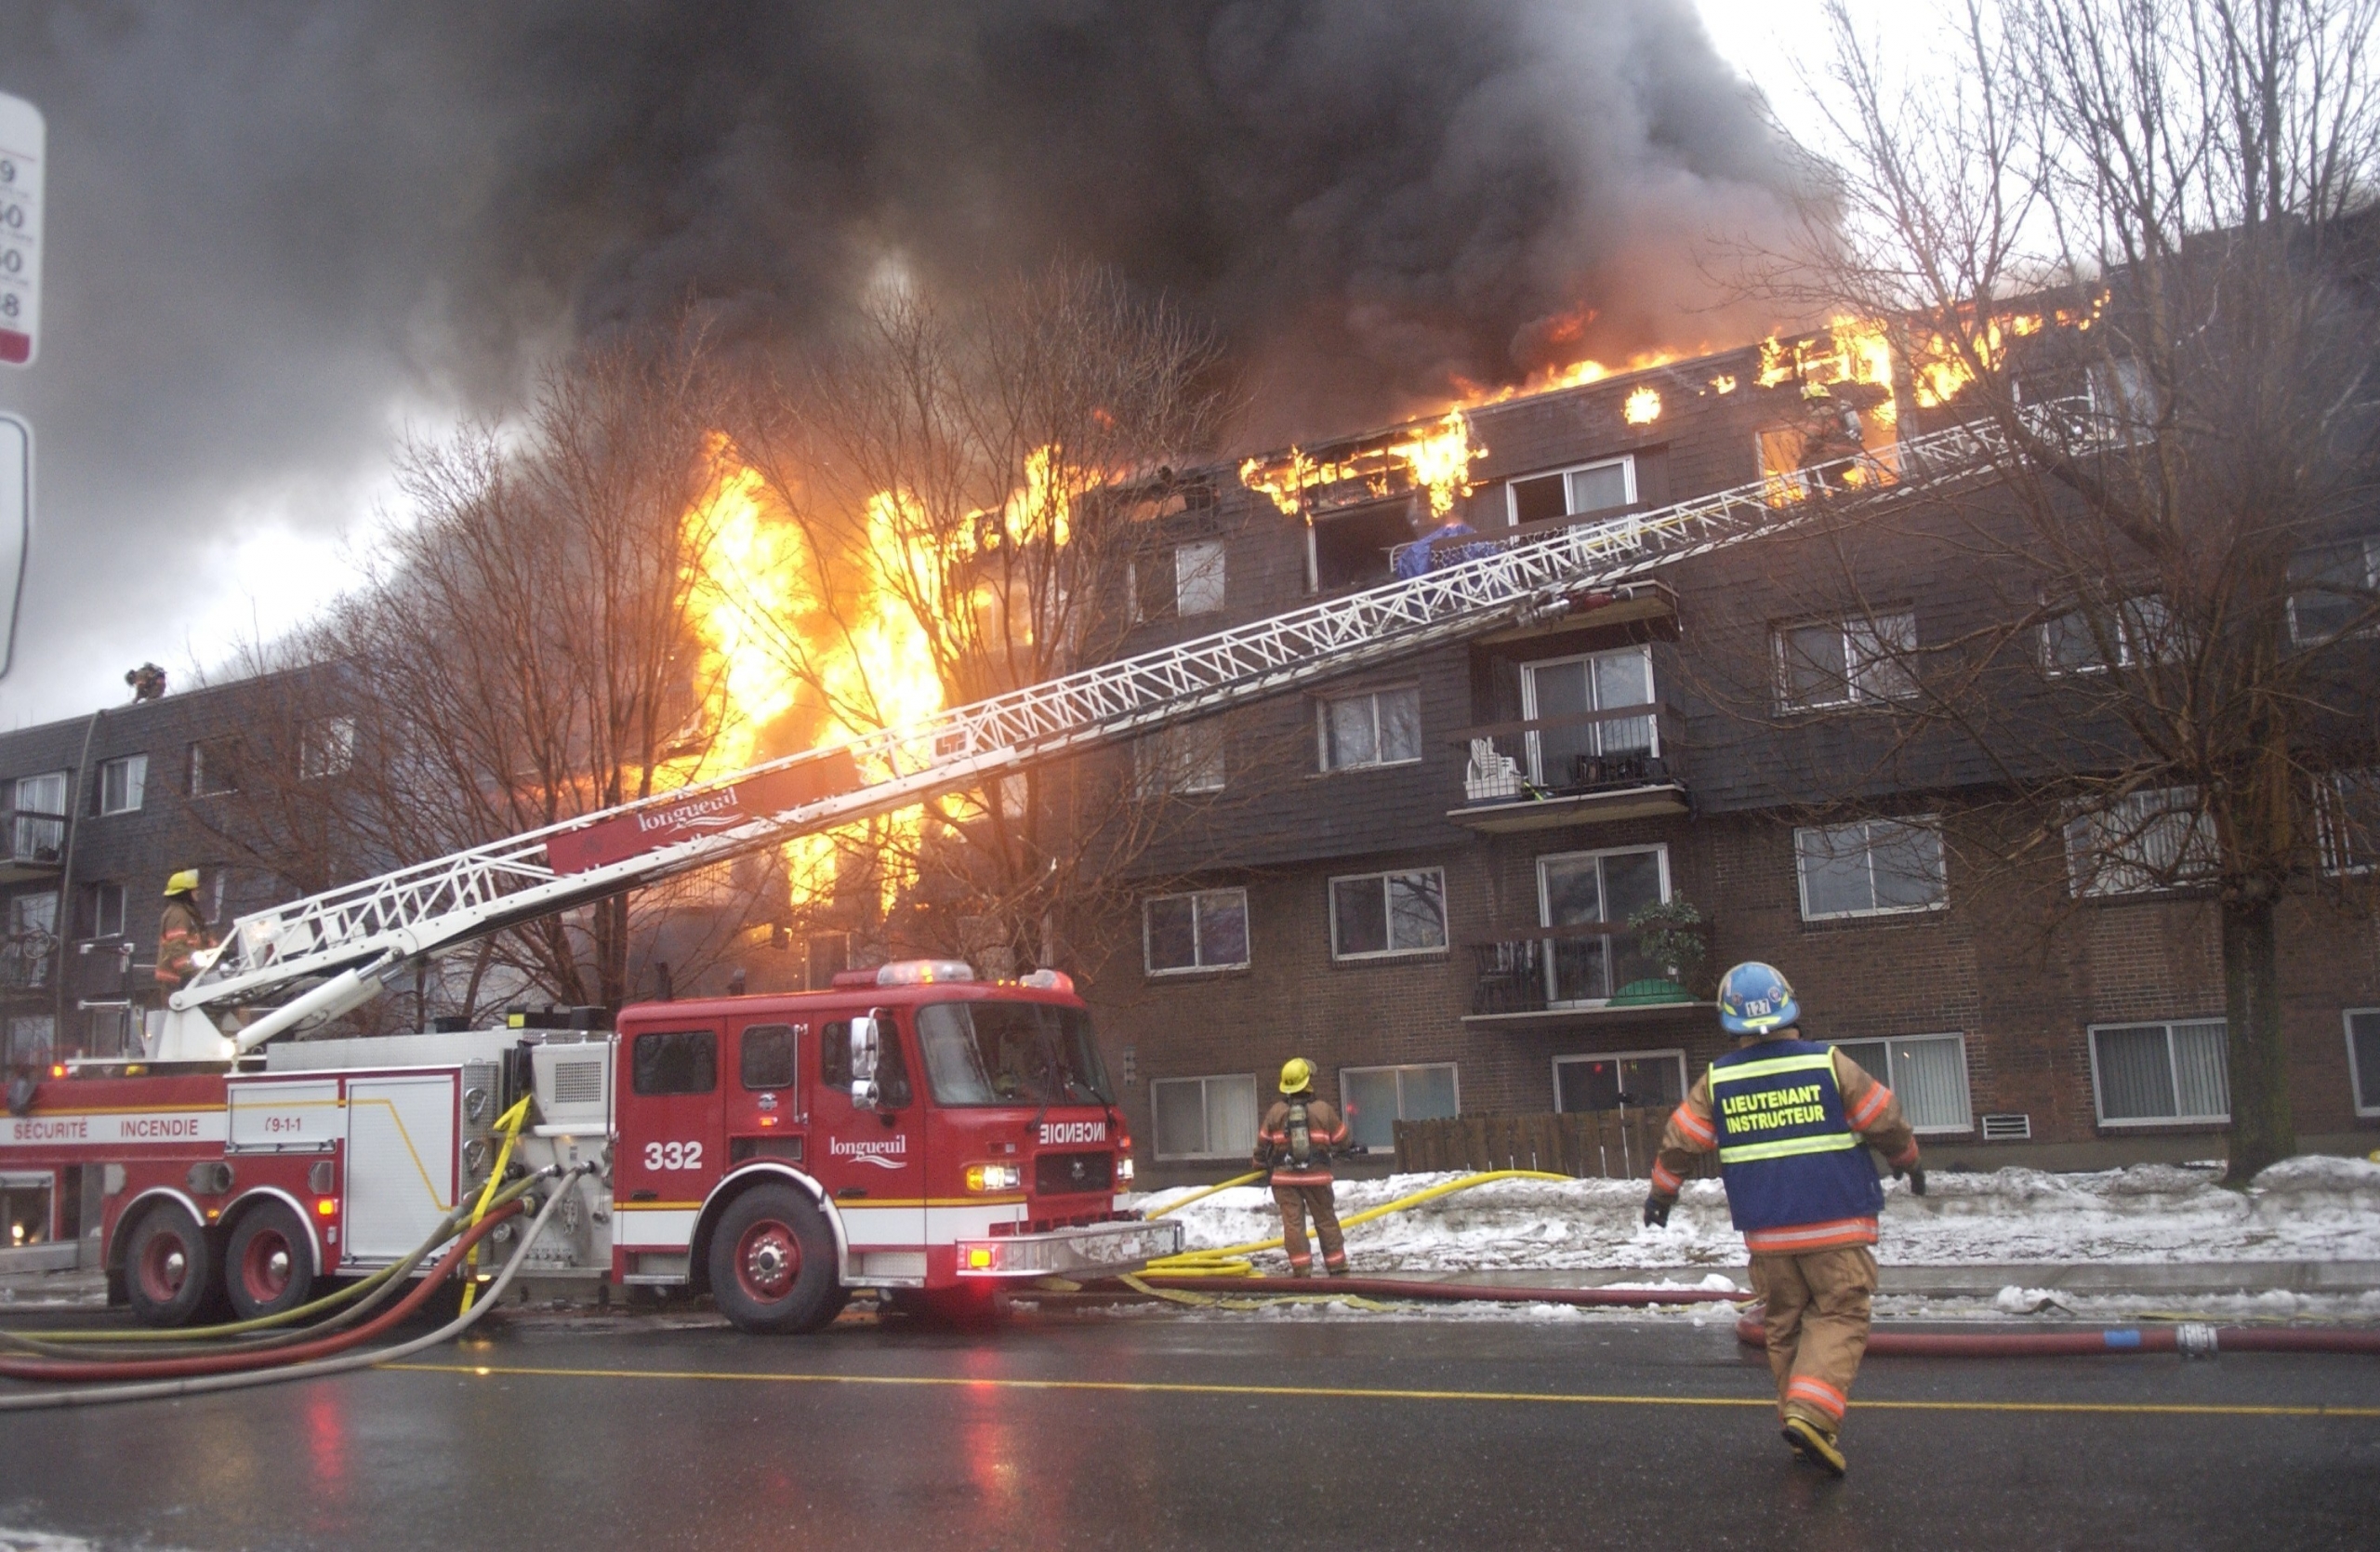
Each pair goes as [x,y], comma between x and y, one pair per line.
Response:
[2007,1128]
[574,1087]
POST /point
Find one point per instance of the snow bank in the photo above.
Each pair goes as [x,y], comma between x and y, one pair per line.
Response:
[2313,1209]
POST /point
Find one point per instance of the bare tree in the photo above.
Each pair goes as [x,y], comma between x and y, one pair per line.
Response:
[2135,236]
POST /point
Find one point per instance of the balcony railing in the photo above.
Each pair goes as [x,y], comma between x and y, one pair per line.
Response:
[28,962]
[1581,966]
[1580,752]
[36,839]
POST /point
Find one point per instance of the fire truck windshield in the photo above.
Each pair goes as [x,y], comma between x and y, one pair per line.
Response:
[1011,1053]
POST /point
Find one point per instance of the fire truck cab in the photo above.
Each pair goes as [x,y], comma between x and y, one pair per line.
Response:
[912,1129]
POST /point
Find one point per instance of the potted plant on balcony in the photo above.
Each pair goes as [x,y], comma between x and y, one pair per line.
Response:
[1669,933]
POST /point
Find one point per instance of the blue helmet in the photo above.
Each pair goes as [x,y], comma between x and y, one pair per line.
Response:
[1754,999]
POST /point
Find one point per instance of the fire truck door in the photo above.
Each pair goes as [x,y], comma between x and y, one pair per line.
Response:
[400,1163]
[670,1142]
[873,1160]
[763,1099]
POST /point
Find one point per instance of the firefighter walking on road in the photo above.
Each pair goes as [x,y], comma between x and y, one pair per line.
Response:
[1295,1144]
[181,933]
[1788,1118]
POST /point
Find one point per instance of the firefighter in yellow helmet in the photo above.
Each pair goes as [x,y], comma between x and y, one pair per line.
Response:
[1295,1144]
[181,933]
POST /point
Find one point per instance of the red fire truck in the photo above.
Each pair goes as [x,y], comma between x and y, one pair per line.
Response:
[913,1129]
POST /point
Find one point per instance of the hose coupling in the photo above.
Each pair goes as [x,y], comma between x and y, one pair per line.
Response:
[2193,1339]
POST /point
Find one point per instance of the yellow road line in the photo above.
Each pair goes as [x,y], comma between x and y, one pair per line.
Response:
[1332,1392]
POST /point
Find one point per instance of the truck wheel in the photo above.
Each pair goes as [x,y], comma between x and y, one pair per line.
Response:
[773,1263]
[168,1267]
[267,1265]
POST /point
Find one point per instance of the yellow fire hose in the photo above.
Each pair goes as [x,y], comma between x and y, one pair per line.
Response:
[510,1124]
[1232,1260]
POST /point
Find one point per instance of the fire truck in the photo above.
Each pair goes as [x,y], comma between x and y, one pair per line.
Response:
[912,1129]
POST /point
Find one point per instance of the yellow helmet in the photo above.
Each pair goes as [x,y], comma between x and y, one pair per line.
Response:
[1297,1075]
[183,882]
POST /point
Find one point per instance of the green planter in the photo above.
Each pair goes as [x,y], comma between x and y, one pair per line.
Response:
[1638,994]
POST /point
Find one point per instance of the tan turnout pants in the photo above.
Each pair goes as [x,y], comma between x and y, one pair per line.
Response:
[1295,1203]
[1815,1307]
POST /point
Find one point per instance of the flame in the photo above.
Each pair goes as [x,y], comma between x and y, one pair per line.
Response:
[1644,406]
[1438,460]
[1941,365]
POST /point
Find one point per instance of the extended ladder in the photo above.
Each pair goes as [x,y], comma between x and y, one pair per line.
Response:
[360,932]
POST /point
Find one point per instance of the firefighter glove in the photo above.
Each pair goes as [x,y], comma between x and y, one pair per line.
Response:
[1657,1213]
[1916,1174]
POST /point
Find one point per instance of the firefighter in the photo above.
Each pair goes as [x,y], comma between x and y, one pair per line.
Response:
[1787,1118]
[1295,1144]
[181,933]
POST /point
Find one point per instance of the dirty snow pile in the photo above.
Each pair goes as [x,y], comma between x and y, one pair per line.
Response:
[2310,1209]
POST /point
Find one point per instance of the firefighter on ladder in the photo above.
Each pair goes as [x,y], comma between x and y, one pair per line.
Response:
[182,936]
[1295,1144]
[1788,1119]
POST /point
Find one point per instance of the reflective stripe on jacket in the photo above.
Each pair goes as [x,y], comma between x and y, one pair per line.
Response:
[1786,1150]
[1325,1130]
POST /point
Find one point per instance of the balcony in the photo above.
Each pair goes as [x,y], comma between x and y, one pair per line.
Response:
[1589,968]
[36,845]
[1585,767]
[28,962]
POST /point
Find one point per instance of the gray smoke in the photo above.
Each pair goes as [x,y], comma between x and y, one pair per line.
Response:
[275,226]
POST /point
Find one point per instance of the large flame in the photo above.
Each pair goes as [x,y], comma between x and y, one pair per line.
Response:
[1435,456]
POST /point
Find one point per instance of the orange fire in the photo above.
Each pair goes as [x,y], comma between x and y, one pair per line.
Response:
[1435,456]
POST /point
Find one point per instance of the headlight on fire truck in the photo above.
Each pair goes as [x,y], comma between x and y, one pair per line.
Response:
[994,1177]
[1123,1170]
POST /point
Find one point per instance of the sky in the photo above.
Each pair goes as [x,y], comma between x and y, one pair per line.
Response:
[284,235]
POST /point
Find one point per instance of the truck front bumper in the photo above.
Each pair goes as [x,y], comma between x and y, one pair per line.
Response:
[1092,1250]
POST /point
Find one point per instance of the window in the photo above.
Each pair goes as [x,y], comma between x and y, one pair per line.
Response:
[1845,662]
[2139,844]
[2122,395]
[892,1068]
[1203,931]
[1647,1079]
[27,959]
[1569,691]
[1012,1054]
[1375,1098]
[681,1061]
[325,747]
[1205,1117]
[1927,1073]
[1180,760]
[1190,581]
[103,910]
[121,784]
[40,821]
[214,767]
[1871,868]
[2336,584]
[2140,629]
[1590,487]
[1388,913]
[1593,889]
[765,1056]
[1379,727]
[2347,806]
[2146,1073]
[2363,1059]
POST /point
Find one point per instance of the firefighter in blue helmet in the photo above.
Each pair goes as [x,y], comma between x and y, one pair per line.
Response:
[1788,1119]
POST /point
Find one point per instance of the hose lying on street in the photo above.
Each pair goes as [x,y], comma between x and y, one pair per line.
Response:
[1231,1261]
[241,1368]
[1458,1292]
[2187,1338]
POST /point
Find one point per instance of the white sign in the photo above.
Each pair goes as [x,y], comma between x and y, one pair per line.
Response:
[23,151]
[74,1129]
[15,526]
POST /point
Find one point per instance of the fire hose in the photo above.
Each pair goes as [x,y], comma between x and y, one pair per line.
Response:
[2190,1339]
[243,1367]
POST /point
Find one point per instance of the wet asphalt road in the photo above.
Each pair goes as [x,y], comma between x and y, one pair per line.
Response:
[1063,1432]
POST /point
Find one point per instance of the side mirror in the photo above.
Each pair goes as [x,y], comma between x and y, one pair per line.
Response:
[863,1053]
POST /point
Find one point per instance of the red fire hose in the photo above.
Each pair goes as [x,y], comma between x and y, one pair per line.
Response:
[2202,1341]
[1396,1287]
[230,1362]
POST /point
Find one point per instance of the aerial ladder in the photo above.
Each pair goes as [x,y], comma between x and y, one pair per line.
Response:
[310,961]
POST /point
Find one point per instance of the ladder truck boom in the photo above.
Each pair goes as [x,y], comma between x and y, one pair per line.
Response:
[313,959]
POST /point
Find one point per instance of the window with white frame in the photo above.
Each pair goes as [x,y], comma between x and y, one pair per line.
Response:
[1845,662]
[1376,914]
[1375,1098]
[1187,581]
[1204,930]
[325,747]
[2336,589]
[123,783]
[1647,1079]
[2122,396]
[1377,727]
[2144,1074]
[2363,1059]
[1598,889]
[103,910]
[1871,868]
[2139,844]
[1582,488]
[2125,634]
[2347,811]
[1205,1117]
[1576,688]
[40,821]
[1180,760]
[1927,1073]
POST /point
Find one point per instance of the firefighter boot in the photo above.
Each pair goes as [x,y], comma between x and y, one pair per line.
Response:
[1814,1444]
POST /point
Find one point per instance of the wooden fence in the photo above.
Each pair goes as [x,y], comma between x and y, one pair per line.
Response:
[1589,1144]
